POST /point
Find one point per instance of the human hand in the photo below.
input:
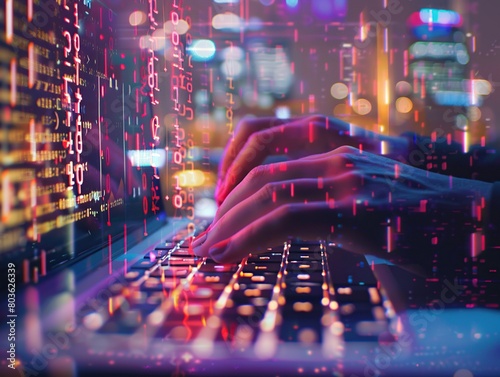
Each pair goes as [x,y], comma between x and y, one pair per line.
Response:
[347,196]
[256,139]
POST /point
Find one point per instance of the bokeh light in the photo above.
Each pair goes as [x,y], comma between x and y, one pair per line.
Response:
[181,28]
[362,106]
[137,18]
[403,88]
[474,113]
[481,87]
[404,105]
[202,49]
[339,90]
[226,21]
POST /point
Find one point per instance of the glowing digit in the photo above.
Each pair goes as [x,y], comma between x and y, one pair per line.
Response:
[67,49]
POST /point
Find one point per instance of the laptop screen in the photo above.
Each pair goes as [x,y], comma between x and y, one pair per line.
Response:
[83,145]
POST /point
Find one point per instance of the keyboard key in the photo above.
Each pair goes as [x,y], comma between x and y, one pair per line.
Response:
[296,277]
[304,258]
[156,284]
[181,261]
[157,254]
[170,272]
[212,277]
[262,267]
[273,258]
[301,266]
[249,278]
[218,268]
[183,252]
[299,291]
[309,248]
[144,264]
[134,275]
[352,294]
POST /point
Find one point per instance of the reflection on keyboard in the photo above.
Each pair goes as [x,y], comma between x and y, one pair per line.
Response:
[299,293]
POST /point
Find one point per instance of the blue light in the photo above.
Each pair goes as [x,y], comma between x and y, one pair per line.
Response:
[202,50]
[440,16]
[456,98]
[292,3]
[329,9]
[431,33]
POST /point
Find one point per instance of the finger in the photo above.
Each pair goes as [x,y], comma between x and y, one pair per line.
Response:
[264,174]
[275,193]
[243,131]
[298,139]
[324,165]
[270,197]
[309,221]
[317,128]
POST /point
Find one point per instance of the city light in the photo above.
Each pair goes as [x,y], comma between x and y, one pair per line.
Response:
[202,50]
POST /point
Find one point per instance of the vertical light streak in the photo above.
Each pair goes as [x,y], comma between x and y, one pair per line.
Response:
[386,40]
[30,10]
[383,147]
[466,141]
[13,83]
[6,195]
[472,91]
[32,140]
[43,263]
[362,33]
[9,21]
[389,238]
[33,207]
[31,65]
[110,255]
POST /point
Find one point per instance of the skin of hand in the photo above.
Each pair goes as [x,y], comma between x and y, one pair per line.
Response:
[256,139]
[347,196]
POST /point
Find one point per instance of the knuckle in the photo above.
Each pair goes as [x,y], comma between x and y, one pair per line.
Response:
[265,137]
[346,149]
[244,125]
[256,173]
[318,119]
[289,212]
[266,192]
[253,140]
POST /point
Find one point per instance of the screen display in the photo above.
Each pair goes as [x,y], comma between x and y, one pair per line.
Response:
[80,142]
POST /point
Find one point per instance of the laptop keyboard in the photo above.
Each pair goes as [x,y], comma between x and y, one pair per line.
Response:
[297,292]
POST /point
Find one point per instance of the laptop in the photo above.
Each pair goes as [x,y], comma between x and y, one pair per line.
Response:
[112,114]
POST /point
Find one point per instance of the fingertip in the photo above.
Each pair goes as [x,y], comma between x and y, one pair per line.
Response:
[199,239]
[199,251]
[218,251]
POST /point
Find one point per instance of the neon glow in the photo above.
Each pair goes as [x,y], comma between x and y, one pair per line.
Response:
[440,17]
[202,50]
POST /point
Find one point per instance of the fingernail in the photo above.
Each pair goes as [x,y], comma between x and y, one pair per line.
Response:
[199,239]
[217,250]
